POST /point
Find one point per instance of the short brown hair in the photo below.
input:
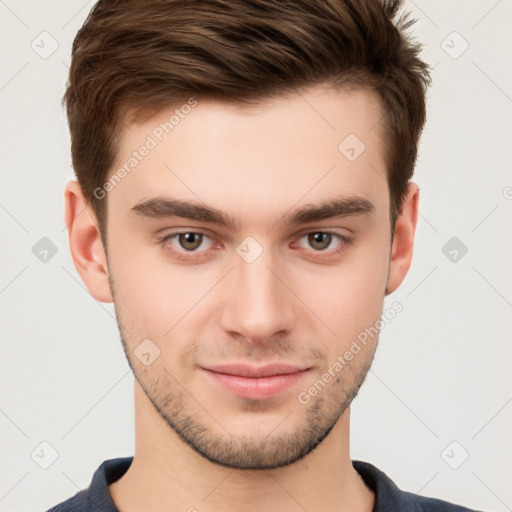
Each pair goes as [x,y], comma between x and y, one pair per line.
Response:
[142,56]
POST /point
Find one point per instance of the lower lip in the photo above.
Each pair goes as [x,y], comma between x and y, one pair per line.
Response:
[256,388]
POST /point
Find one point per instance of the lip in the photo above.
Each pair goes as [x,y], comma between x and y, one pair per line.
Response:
[245,370]
[253,382]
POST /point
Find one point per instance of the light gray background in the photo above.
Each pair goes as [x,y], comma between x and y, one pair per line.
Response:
[443,368]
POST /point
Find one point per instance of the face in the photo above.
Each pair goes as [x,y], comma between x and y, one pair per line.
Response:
[247,250]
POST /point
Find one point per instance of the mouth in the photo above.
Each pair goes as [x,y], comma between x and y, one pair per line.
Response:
[257,383]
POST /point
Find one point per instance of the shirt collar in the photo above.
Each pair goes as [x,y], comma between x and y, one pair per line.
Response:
[387,495]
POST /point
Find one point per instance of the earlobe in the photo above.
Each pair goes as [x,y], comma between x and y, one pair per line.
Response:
[403,242]
[85,243]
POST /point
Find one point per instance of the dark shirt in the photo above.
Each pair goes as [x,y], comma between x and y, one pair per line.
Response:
[388,497]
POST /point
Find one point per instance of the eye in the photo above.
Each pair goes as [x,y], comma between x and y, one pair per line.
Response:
[186,242]
[320,241]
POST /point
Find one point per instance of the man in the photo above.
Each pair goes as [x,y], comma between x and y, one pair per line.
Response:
[244,199]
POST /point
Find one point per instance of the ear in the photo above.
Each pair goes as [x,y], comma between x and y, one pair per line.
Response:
[85,243]
[403,241]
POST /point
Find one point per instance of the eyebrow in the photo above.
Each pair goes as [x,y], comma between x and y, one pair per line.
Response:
[168,207]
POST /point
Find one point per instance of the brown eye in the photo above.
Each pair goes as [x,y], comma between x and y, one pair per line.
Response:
[188,246]
[324,243]
[319,240]
[190,241]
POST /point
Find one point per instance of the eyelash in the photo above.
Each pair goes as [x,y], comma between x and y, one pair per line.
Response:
[191,255]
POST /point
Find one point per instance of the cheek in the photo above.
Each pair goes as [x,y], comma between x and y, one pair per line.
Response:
[140,294]
[155,297]
[349,297]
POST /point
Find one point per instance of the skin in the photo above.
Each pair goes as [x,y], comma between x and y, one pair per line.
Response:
[198,445]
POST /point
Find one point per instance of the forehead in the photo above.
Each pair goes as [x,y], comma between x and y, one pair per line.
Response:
[255,162]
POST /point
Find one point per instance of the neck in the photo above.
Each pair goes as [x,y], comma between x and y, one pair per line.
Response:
[167,474]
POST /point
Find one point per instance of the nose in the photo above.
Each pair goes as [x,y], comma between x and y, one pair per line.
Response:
[258,303]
